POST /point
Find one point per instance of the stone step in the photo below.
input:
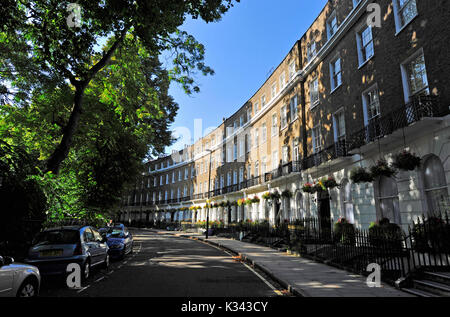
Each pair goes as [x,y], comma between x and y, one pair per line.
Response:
[432,287]
[440,277]
[418,292]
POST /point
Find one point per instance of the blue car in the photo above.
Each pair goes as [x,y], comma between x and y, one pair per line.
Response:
[120,241]
[54,249]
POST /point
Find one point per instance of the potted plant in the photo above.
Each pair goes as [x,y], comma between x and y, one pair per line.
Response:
[406,161]
[384,234]
[320,186]
[255,199]
[248,201]
[431,235]
[308,188]
[330,182]
[275,195]
[266,196]
[286,193]
[360,175]
[240,202]
[382,168]
[344,232]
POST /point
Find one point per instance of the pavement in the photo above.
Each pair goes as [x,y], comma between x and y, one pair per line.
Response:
[299,275]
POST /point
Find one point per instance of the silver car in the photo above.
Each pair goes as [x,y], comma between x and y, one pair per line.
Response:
[17,279]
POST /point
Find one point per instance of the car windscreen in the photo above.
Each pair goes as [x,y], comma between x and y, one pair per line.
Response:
[116,233]
[57,237]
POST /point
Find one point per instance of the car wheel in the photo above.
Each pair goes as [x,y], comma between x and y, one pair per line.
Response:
[28,288]
[86,270]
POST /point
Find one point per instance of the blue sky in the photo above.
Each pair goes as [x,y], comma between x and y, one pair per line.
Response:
[243,48]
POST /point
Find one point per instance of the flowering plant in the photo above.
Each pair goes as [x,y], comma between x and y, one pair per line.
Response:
[255,199]
[382,168]
[330,182]
[266,196]
[308,188]
[275,195]
[240,202]
[248,201]
[360,175]
[406,161]
[286,193]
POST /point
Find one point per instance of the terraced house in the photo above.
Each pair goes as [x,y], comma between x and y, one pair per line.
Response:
[351,102]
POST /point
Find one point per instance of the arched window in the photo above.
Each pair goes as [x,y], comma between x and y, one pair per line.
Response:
[347,201]
[435,185]
[389,202]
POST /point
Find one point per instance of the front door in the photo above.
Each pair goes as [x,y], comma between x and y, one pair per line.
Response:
[323,199]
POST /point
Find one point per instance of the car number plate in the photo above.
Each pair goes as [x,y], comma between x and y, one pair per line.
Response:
[47,253]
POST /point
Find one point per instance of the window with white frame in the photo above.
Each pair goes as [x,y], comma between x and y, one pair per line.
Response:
[222,181]
[235,151]
[332,25]
[249,114]
[161,180]
[285,154]
[339,125]
[249,171]
[292,69]
[241,174]
[256,168]
[311,50]
[256,107]
[296,152]
[404,12]
[186,173]
[229,179]
[179,175]
[364,41]
[167,179]
[263,165]
[371,102]
[274,90]
[294,110]
[316,138]
[314,92]
[155,182]
[263,101]
[264,132]
[282,80]
[241,147]
[336,73]
[274,124]
[414,75]
[275,159]
[283,117]
[256,138]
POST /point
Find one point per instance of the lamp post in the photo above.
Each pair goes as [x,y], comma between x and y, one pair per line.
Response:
[209,193]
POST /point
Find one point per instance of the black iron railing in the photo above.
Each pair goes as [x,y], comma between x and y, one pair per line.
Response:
[420,107]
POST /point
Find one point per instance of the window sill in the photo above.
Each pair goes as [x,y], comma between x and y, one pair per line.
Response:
[311,107]
[336,88]
[404,26]
[366,62]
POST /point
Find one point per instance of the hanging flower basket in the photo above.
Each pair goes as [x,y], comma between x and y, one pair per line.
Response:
[248,201]
[215,205]
[382,168]
[255,199]
[320,186]
[275,195]
[360,175]
[308,188]
[266,196]
[240,202]
[286,193]
[406,161]
[330,182]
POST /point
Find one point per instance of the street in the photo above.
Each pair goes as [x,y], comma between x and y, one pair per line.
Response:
[168,266]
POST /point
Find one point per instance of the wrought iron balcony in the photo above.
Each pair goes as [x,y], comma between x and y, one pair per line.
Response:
[334,151]
[420,107]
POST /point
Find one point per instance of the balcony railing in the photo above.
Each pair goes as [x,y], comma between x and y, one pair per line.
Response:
[334,151]
[420,107]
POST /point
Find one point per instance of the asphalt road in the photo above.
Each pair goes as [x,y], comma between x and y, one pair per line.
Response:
[168,266]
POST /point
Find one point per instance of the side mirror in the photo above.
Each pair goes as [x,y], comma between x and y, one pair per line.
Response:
[7,260]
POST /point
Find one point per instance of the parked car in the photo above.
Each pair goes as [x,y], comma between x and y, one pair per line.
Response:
[18,279]
[120,241]
[54,249]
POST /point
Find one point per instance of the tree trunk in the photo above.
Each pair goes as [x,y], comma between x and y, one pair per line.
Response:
[62,150]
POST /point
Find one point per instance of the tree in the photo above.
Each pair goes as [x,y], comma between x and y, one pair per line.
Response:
[36,36]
